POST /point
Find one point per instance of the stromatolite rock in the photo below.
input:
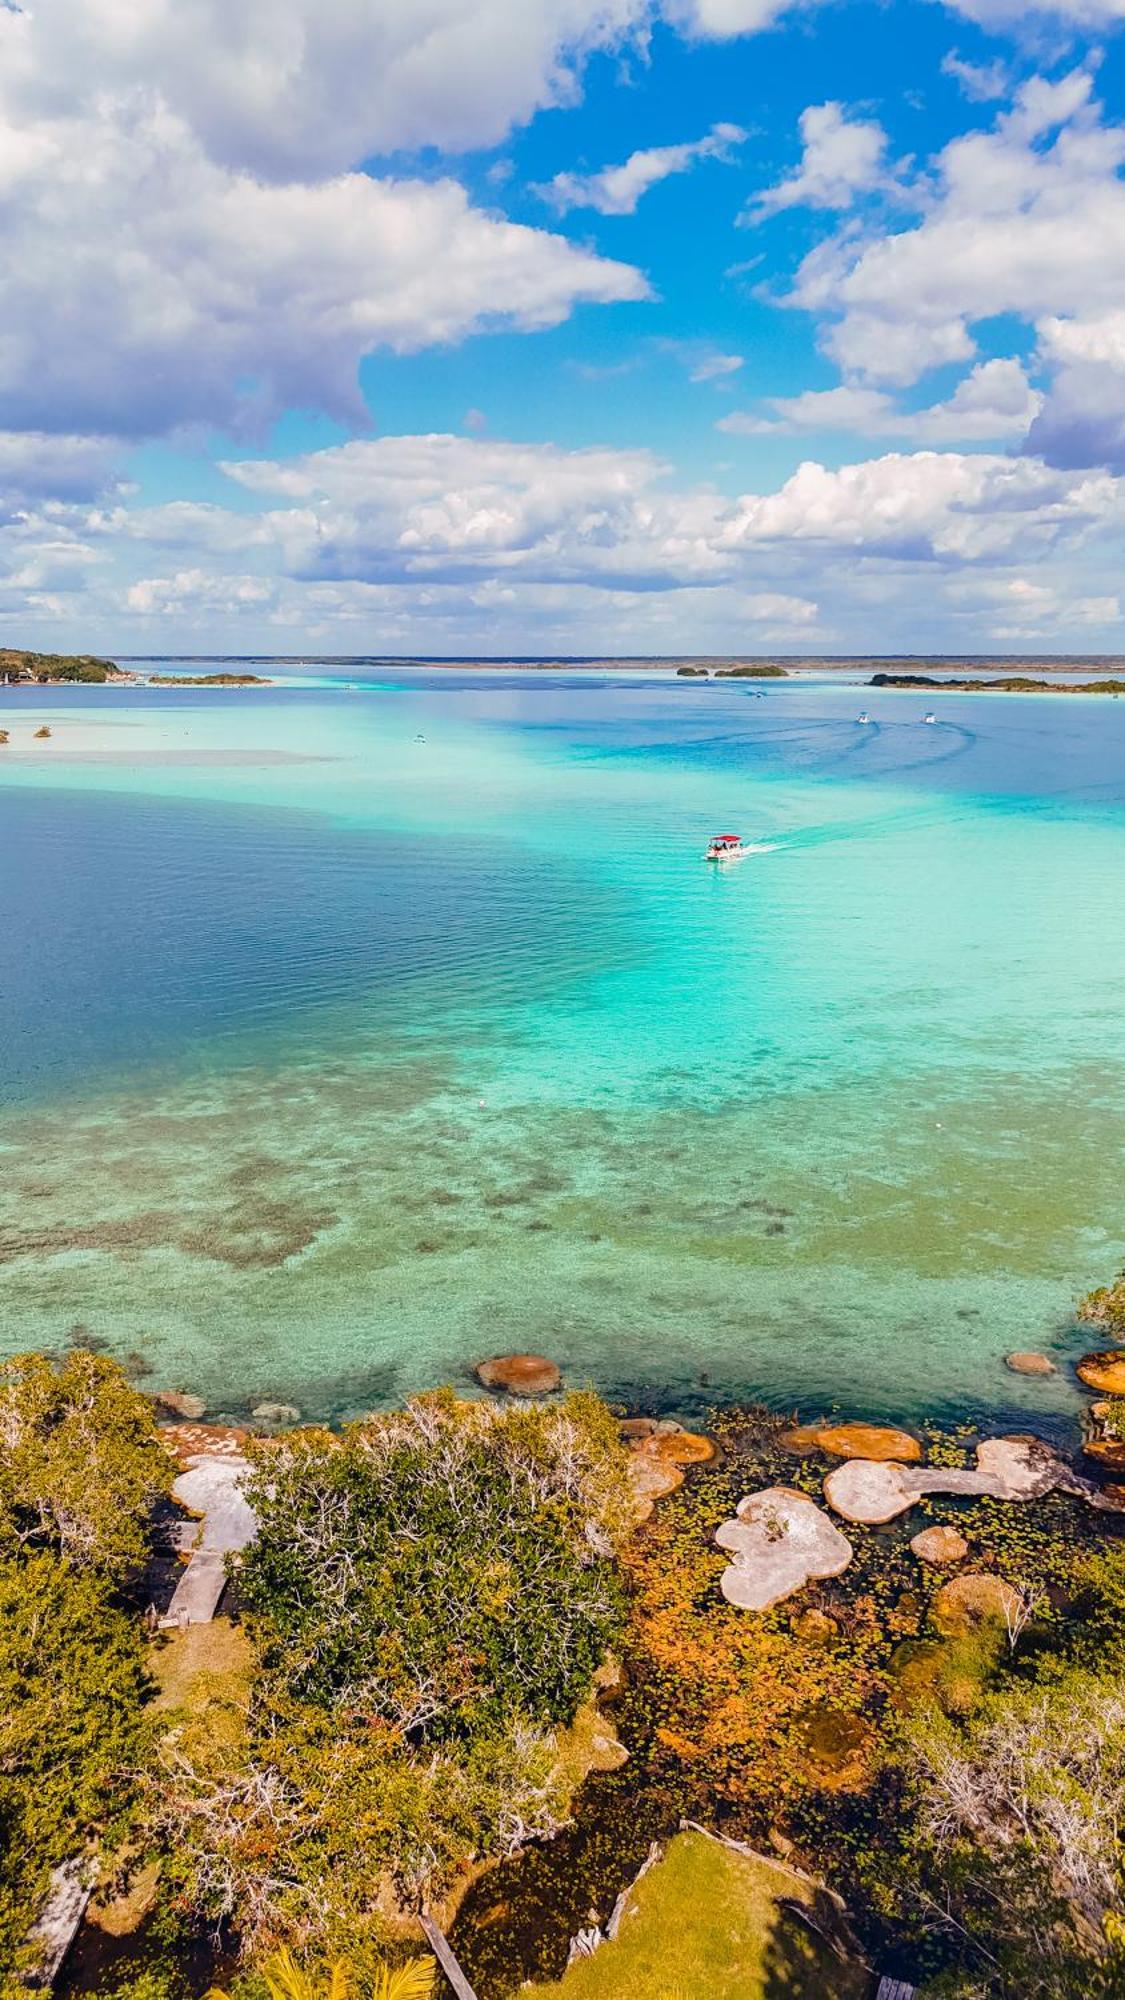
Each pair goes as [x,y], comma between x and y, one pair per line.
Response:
[855,1440]
[519,1374]
[1104,1372]
[181,1404]
[1011,1468]
[650,1479]
[276,1413]
[1030,1364]
[779,1540]
[939,1546]
[975,1599]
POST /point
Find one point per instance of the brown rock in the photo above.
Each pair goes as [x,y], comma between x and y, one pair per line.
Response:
[877,1442]
[637,1427]
[651,1478]
[1104,1371]
[677,1448]
[939,1546]
[1107,1453]
[189,1442]
[519,1374]
[181,1404]
[815,1626]
[1030,1364]
[969,1601]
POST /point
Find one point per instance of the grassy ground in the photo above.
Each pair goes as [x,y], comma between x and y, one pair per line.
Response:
[707,1921]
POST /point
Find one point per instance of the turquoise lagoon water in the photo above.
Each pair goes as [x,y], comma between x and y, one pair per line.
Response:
[352,1032]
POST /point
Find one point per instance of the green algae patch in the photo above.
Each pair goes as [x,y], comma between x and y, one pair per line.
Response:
[708,1919]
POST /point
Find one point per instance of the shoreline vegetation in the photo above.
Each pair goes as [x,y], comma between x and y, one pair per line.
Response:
[850,1699]
[1006,684]
[24,669]
[1015,673]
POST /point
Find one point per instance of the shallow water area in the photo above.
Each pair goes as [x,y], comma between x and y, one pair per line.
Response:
[356,1030]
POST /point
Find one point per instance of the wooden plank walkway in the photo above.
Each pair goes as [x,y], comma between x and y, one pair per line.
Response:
[72,1885]
[443,1951]
[212,1487]
[895,1989]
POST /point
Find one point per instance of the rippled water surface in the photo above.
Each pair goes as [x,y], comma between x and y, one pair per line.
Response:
[353,1031]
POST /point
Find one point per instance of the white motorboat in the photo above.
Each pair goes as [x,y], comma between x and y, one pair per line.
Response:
[726,847]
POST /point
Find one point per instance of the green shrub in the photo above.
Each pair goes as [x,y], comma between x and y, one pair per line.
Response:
[441,1566]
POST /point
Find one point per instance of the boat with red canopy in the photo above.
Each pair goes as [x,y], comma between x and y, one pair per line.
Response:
[725,847]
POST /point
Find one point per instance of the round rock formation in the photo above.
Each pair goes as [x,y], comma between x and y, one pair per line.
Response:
[939,1546]
[968,1601]
[1104,1371]
[519,1374]
[855,1440]
[1030,1363]
[779,1540]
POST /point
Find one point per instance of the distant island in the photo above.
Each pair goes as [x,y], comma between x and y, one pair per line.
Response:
[1007,684]
[30,669]
[206,680]
[759,670]
[24,669]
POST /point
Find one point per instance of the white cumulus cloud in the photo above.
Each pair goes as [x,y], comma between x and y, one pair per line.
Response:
[617,190]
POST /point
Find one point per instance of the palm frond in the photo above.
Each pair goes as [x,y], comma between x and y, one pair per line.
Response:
[412,1981]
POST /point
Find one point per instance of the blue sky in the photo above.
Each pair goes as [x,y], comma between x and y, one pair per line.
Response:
[486,326]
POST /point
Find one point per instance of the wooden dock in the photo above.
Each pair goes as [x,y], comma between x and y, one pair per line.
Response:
[211,1487]
[443,1951]
[895,1989]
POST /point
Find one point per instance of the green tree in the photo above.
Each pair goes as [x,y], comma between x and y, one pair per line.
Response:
[429,1595]
[81,1465]
[72,1734]
[443,1565]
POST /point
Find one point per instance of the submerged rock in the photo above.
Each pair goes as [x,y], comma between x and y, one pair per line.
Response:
[855,1440]
[181,1404]
[650,1479]
[276,1413]
[939,1546]
[1104,1371]
[677,1448]
[977,1599]
[519,1374]
[779,1540]
[1030,1364]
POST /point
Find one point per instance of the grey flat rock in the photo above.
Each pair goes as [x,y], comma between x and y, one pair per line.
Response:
[1011,1468]
[779,1541]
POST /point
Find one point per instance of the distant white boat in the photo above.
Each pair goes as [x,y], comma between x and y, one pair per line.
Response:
[864,717]
[929,716]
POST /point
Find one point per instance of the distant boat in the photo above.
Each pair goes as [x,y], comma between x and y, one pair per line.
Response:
[725,847]
[864,717]
[929,716]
